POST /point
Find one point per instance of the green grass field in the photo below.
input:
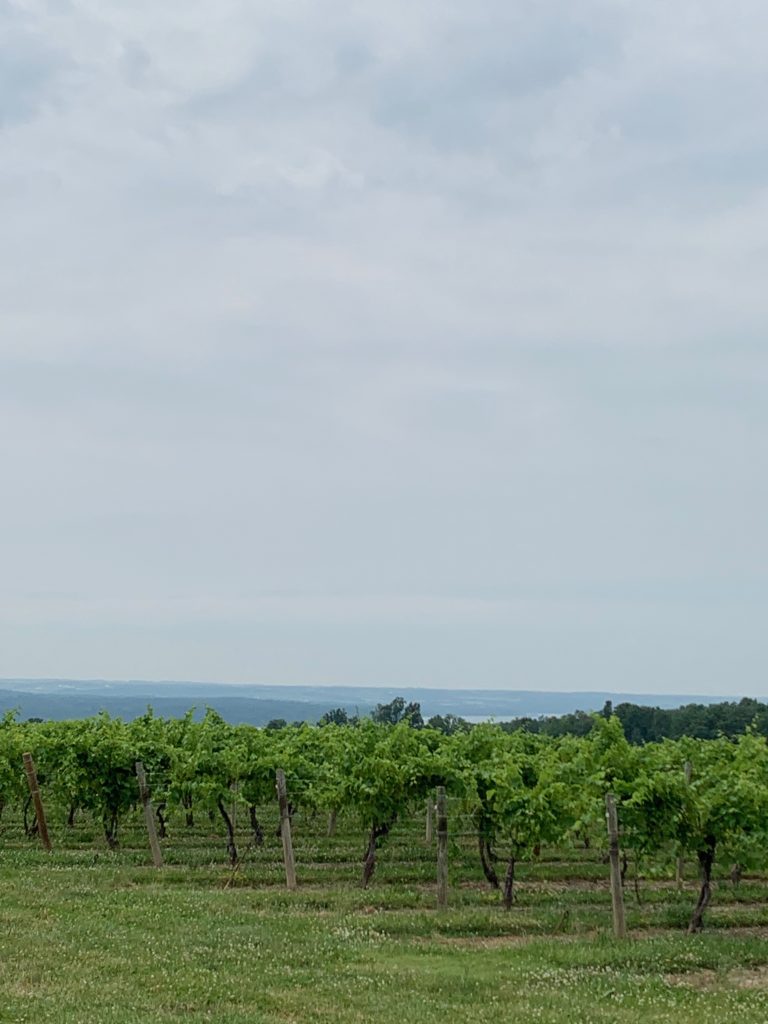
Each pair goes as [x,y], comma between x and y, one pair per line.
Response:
[99,937]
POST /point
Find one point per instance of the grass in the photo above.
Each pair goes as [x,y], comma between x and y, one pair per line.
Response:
[102,938]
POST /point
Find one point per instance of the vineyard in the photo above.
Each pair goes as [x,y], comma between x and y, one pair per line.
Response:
[392,838]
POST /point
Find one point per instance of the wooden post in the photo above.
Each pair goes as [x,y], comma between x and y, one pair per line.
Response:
[617,892]
[332,823]
[149,818]
[428,821]
[34,792]
[285,830]
[442,849]
[680,867]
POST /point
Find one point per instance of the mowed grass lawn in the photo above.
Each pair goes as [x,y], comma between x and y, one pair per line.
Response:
[99,938]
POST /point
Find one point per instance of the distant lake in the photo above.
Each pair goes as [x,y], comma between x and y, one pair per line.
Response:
[487,718]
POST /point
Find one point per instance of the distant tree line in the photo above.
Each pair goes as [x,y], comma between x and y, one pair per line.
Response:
[397,711]
[641,724]
[646,725]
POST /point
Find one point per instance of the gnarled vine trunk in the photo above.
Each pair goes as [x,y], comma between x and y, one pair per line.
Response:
[231,847]
[162,831]
[256,829]
[186,803]
[706,860]
[110,829]
[489,871]
[30,827]
[378,832]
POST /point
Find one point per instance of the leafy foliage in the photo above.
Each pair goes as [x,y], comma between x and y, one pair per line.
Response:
[521,790]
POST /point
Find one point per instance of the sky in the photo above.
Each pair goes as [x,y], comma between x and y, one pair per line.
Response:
[406,343]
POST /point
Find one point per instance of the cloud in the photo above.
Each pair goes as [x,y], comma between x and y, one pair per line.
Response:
[444,323]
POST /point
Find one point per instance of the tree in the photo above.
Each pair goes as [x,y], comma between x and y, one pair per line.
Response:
[96,767]
[383,771]
[474,752]
[335,716]
[11,773]
[449,724]
[726,808]
[526,801]
[204,766]
[398,711]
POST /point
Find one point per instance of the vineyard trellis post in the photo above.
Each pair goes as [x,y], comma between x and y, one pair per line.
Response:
[285,830]
[149,818]
[34,792]
[442,848]
[617,890]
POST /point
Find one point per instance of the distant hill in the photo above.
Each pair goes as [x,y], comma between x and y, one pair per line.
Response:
[258,704]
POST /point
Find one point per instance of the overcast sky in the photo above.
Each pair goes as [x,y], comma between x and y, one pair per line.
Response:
[385,343]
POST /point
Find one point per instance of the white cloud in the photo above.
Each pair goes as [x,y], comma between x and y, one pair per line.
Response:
[403,303]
